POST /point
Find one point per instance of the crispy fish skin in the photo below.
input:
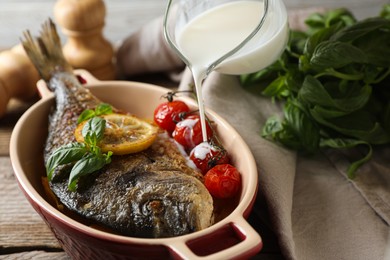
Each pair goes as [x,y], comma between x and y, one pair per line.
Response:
[153,193]
[71,100]
[150,188]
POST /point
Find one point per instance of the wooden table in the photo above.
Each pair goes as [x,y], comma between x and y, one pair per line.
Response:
[23,234]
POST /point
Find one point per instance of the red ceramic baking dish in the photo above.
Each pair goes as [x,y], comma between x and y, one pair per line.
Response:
[230,238]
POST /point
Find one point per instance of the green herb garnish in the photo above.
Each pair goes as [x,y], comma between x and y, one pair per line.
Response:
[101,109]
[334,83]
[87,157]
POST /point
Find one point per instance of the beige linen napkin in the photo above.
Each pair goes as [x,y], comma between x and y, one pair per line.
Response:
[315,212]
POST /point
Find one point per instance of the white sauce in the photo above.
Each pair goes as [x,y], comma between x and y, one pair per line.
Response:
[201,150]
[189,124]
[212,34]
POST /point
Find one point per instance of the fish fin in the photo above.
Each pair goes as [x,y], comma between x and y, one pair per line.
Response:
[45,51]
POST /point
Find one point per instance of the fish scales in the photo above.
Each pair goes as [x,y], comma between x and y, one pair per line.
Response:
[146,187]
[71,100]
[153,193]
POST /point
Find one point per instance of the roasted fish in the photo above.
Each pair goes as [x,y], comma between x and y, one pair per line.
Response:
[153,193]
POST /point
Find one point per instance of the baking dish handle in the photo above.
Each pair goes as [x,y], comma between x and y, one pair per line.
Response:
[86,75]
[250,243]
[45,92]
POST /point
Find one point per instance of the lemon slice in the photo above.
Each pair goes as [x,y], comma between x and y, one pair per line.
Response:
[124,134]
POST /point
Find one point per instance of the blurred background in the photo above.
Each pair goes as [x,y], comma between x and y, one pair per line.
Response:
[126,16]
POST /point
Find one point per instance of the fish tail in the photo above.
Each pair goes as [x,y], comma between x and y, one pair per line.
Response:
[45,51]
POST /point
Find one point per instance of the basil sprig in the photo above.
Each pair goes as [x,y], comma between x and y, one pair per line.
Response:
[333,82]
[101,109]
[87,157]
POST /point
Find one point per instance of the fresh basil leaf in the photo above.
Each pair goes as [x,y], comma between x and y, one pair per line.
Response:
[94,128]
[353,97]
[253,78]
[360,29]
[107,157]
[85,115]
[277,88]
[256,82]
[335,54]
[315,20]
[359,124]
[250,81]
[385,12]
[304,63]
[90,139]
[86,165]
[357,164]
[318,21]
[271,127]
[63,155]
[380,37]
[294,81]
[314,92]
[340,15]
[103,109]
[374,74]
[327,113]
[277,131]
[297,131]
[296,42]
[318,37]
[302,125]
[341,143]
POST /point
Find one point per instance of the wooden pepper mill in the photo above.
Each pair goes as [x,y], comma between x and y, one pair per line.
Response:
[82,21]
[18,77]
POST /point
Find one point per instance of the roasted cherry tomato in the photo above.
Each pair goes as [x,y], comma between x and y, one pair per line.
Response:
[188,132]
[167,114]
[206,155]
[223,181]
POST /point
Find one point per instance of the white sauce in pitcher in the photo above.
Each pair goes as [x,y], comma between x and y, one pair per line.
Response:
[214,33]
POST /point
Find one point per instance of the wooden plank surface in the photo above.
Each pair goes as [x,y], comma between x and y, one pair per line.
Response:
[21,228]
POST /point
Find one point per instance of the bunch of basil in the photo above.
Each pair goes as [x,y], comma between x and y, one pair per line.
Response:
[334,82]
